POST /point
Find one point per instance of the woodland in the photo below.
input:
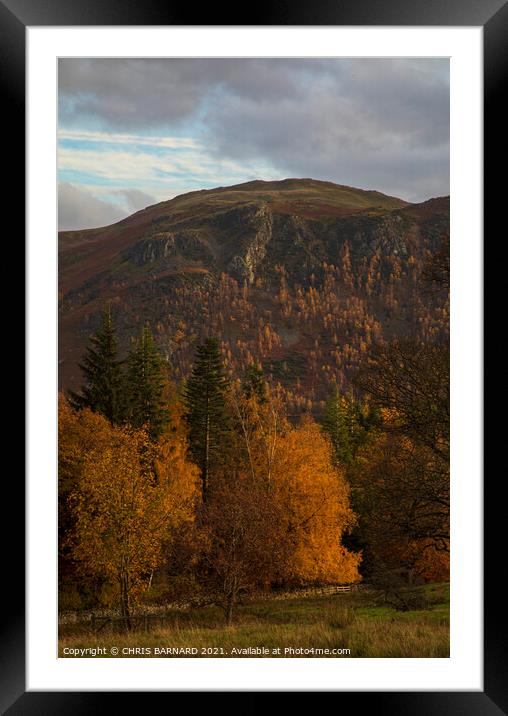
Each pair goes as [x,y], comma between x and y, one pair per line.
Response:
[258,436]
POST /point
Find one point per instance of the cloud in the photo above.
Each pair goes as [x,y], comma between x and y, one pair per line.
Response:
[381,126]
[162,169]
[80,209]
[373,123]
[135,199]
[135,93]
[76,135]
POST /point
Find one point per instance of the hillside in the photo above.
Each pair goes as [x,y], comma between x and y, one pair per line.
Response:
[302,275]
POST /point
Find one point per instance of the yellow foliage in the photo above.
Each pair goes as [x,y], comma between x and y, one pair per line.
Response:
[295,466]
[175,471]
[316,506]
[124,512]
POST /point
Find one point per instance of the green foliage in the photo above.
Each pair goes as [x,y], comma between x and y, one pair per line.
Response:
[204,397]
[103,391]
[146,378]
[254,384]
[347,423]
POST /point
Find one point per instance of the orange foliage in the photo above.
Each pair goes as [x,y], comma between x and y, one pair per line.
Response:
[316,510]
[432,564]
[402,492]
[175,471]
[123,513]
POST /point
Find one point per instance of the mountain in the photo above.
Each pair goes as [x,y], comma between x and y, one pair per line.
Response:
[300,274]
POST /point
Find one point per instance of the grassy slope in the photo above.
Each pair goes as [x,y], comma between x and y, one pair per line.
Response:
[348,621]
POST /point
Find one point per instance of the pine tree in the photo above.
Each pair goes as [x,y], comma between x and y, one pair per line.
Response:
[254,384]
[204,396]
[145,382]
[104,390]
[347,423]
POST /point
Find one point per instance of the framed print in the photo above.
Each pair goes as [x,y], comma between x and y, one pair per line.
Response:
[254,354]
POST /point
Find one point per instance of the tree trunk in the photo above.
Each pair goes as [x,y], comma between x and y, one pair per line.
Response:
[229,609]
[125,607]
[207,456]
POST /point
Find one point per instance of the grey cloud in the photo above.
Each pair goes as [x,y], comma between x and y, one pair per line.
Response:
[140,93]
[79,209]
[375,123]
[379,126]
[135,199]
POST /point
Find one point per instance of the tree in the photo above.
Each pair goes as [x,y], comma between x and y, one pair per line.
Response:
[347,424]
[403,497]
[146,381]
[173,467]
[103,391]
[79,433]
[123,515]
[254,384]
[295,467]
[411,381]
[204,397]
[258,417]
[314,499]
[401,483]
[436,269]
[246,543]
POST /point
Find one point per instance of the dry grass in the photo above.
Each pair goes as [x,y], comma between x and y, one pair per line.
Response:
[325,623]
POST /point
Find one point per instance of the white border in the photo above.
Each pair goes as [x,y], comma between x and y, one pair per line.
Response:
[463,670]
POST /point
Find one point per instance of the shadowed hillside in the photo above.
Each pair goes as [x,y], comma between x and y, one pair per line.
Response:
[301,275]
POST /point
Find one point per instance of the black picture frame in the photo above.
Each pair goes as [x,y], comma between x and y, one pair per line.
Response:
[15,17]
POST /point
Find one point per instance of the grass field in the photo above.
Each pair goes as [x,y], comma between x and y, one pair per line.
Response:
[347,625]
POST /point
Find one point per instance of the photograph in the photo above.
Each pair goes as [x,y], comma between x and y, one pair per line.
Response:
[253,357]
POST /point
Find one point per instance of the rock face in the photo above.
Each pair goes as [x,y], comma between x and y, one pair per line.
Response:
[164,247]
[252,241]
[152,249]
[259,228]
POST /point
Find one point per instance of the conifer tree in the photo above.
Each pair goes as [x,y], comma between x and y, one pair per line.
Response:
[146,381]
[204,396]
[254,384]
[347,423]
[103,391]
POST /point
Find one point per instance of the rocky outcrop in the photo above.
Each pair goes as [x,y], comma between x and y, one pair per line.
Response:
[152,249]
[253,249]
[163,247]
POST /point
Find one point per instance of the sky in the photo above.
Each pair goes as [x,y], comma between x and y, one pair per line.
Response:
[134,132]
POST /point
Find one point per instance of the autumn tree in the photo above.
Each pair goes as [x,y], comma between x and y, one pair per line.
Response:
[79,434]
[403,498]
[104,389]
[411,380]
[258,422]
[172,464]
[123,514]
[436,269]
[315,506]
[401,483]
[204,397]
[296,468]
[146,377]
[246,543]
